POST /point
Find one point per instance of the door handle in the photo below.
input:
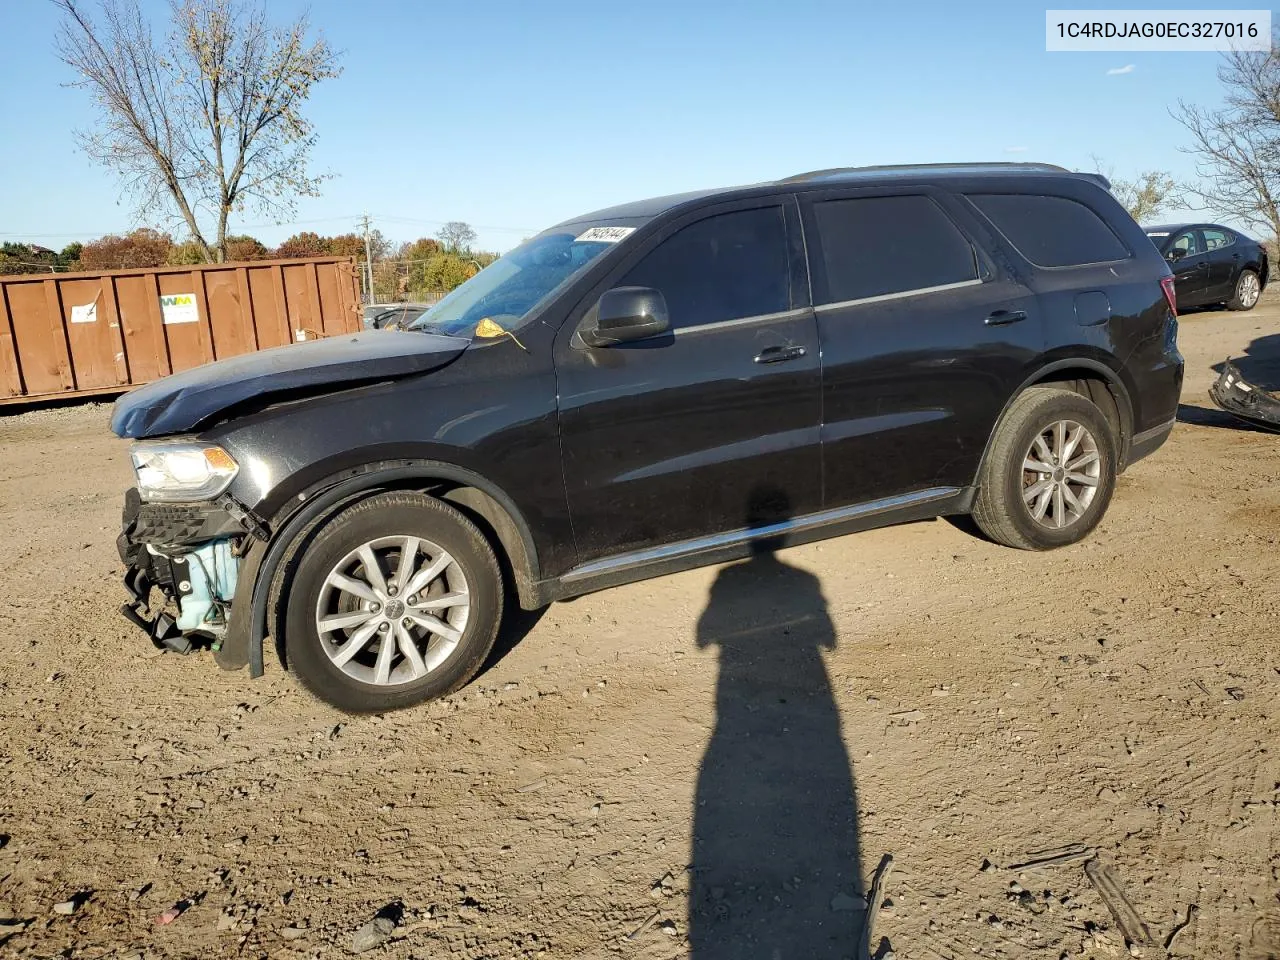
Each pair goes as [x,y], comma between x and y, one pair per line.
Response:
[1001,317]
[777,354]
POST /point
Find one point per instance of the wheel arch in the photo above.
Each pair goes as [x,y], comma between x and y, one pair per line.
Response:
[1093,380]
[484,502]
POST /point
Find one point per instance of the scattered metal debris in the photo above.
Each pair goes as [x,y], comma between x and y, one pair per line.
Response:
[874,901]
[1054,855]
[1193,911]
[1108,886]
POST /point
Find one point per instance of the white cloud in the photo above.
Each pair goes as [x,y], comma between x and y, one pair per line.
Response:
[1015,149]
[1117,71]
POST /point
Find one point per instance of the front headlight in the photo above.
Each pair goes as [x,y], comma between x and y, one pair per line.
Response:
[181,470]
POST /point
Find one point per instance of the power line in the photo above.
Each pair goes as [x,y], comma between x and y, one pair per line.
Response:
[390,218]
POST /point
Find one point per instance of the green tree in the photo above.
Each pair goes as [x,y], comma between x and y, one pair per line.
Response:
[23,258]
[70,255]
[206,121]
[446,271]
[185,254]
[1146,196]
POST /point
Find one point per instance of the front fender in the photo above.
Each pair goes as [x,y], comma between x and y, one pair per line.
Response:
[249,624]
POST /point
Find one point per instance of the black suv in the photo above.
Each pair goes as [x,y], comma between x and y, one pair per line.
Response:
[652,387]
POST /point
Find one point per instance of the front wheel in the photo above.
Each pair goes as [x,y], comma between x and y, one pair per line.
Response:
[1248,290]
[1050,472]
[396,601]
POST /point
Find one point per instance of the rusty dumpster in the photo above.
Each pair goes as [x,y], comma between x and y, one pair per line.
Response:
[75,334]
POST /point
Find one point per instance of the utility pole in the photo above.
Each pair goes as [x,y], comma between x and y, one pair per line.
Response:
[368,255]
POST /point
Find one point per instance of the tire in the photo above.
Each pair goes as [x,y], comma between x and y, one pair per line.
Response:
[1001,508]
[331,584]
[1247,292]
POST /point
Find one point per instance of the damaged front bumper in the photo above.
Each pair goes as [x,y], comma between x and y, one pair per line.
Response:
[1244,400]
[191,553]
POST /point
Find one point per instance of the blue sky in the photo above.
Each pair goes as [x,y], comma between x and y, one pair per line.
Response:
[514,114]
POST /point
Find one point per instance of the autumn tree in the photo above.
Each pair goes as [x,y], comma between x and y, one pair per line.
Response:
[1237,145]
[203,122]
[345,245]
[457,236]
[246,248]
[143,247]
[305,244]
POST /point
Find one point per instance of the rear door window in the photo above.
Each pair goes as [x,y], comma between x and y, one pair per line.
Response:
[726,267]
[880,246]
[1216,238]
[1051,231]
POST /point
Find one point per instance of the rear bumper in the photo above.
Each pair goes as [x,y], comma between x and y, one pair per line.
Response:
[1149,441]
[1242,399]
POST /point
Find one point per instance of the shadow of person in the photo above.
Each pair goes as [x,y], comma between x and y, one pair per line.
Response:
[774,868]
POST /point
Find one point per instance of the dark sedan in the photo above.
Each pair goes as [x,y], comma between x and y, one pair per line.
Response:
[1212,264]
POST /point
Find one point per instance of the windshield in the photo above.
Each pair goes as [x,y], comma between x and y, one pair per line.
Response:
[507,289]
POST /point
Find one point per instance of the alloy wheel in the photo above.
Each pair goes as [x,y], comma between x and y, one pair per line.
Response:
[1061,472]
[1249,290]
[392,610]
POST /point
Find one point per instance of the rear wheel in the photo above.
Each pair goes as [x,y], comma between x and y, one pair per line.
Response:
[1248,290]
[396,601]
[1050,472]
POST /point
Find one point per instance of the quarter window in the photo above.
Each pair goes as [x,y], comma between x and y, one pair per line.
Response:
[1051,231]
[725,267]
[1215,239]
[877,246]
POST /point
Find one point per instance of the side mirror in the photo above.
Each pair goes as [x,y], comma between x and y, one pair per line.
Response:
[1176,254]
[627,313]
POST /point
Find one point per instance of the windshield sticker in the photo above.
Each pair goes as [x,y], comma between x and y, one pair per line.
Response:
[1157,233]
[605,234]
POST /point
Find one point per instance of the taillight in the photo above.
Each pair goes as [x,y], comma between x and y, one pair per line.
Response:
[1166,284]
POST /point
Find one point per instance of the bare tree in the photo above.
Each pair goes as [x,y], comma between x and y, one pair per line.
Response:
[1149,194]
[206,121]
[457,236]
[1237,145]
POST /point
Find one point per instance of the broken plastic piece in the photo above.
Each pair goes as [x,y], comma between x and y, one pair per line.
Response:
[1245,400]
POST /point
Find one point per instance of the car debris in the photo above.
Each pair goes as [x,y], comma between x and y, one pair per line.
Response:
[875,900]
[1244,400]
[1109,889]
[1193,911]
[1056,855]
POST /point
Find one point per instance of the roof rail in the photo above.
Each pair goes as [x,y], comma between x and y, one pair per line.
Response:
[905,167]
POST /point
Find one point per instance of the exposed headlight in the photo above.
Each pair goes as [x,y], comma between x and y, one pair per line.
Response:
[181,470]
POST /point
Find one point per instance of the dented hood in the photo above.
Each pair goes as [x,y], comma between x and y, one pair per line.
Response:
[186,400]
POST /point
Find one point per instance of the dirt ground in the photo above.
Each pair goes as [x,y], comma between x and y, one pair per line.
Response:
[706,765]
